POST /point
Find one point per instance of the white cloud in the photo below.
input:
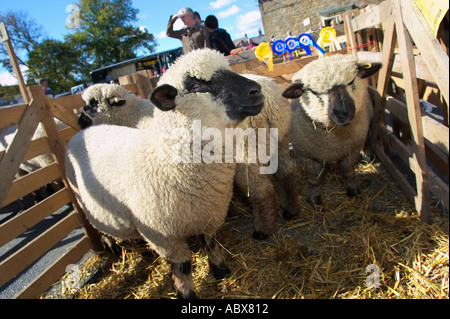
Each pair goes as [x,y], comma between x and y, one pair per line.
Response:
[220,3]
[7,79]
[161,35]
[249,23]
[233,10]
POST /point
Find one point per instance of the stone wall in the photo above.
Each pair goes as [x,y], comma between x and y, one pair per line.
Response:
[279,16]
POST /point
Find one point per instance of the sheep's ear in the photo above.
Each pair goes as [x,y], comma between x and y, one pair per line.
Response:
[294,91]
[366,70]
[163,97]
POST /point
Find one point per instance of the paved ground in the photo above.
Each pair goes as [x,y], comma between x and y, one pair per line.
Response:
[15,285]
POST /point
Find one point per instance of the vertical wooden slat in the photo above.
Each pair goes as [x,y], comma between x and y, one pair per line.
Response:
[57,146]
[422,198]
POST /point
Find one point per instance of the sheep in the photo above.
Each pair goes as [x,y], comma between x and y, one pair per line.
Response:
[131,185]
[261,187]
[113,104]
[331,114]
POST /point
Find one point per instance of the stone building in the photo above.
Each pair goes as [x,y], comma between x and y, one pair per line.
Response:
[298,16]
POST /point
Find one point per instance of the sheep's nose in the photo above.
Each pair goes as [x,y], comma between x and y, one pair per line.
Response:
[254,92]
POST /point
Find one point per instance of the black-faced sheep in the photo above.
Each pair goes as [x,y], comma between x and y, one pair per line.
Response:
[263,188]
[131,185]
[331,115]
[113,104]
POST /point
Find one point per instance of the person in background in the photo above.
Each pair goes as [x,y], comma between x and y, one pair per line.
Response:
[219,38]
[251,44]
[47,90]
[193,36]
[198,19]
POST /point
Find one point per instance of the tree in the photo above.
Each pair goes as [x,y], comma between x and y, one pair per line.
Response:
[106,32]
[59,64]
[24,33]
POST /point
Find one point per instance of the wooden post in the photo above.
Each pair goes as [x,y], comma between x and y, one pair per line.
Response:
[15,64]
[57,147]
[420,168]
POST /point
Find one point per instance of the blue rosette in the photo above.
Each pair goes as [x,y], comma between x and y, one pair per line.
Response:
[278,47]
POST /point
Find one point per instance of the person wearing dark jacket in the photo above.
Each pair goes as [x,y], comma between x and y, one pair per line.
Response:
[219,38]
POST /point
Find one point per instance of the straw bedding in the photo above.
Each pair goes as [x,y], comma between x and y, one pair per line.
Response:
[323,253]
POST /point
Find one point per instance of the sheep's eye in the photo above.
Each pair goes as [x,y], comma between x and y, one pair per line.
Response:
[196,87]
[352,83]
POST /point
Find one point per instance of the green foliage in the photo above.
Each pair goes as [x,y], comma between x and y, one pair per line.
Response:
[58,63]
[106,35]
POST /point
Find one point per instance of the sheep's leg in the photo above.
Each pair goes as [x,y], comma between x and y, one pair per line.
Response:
[177,253]
[315,172]
[262,197]
[347,169]
[182,277]
[264,208]
[216,262]
[286,182]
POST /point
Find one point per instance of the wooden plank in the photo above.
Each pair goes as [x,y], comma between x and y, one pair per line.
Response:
[422,199]
[57,147]
[407,189]
[40,146]
[55,271]
[11,115]
[66,134]
[67,116]
[435,132]
[143,84]
[388,55]
[130,87]
[438,187]
[422,71]
[18,261]
[375,15]
[70,102]
[10,162]
[435,56]
[18,73]
[27,219]
[31,182]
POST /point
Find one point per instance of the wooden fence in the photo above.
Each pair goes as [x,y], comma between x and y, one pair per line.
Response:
[23,148]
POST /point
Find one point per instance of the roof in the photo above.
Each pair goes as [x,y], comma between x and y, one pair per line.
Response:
[144,58]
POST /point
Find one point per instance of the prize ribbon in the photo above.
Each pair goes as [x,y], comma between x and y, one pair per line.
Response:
[264,52]
[279,47]
[305,40]
[327,35]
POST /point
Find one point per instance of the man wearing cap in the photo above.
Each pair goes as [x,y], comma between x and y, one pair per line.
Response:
[194,36]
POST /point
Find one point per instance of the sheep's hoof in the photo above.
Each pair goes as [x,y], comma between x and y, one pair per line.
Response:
[259,236]
[220,271]
[190,295]
[314,201]
[287,215]
[111,246]
[353,192]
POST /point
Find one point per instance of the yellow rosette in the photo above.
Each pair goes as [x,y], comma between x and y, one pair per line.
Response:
[327,35]
[264,52]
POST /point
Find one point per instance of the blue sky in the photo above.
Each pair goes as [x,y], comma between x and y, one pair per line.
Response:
[237,17]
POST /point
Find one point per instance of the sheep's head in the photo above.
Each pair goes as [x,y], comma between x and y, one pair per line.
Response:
[331,89]
[102,98]
[202,86]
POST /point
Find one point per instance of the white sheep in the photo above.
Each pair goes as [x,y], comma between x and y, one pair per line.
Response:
[261,187]
[131,185]
[113,104]
[331,115]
